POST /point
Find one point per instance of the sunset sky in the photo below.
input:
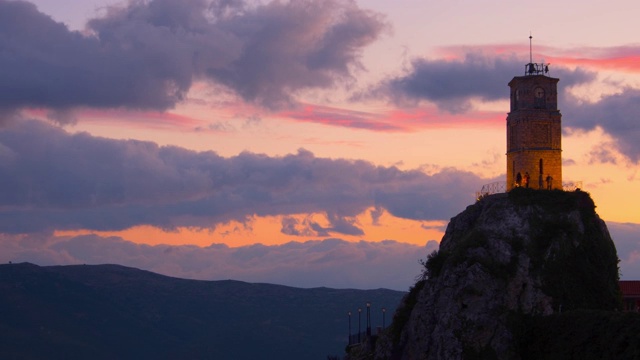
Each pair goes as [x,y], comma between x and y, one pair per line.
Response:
[306,143]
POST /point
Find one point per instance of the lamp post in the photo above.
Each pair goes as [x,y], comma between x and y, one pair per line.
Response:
[368,319]
[349,313]
[384,311]
[359,312]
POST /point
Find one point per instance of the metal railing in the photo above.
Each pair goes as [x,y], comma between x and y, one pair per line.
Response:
[490,189]
[536,69]
[359,338]
[355,339]
[499,187]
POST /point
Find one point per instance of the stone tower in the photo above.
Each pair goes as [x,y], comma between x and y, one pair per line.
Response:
[533,131]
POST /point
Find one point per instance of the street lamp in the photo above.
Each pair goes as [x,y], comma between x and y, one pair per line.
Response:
[359,312]
[368,319]
[349,313]
[384,311]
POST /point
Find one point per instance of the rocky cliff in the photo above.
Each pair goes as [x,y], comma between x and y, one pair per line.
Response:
[505,259]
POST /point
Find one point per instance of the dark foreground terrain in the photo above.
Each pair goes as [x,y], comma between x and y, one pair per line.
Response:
[111,311]
[528,274]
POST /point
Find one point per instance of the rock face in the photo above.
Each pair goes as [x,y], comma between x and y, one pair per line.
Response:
[508,256]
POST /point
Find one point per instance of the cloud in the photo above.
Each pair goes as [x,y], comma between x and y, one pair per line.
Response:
[376,214]
[616,114]
[626,236]
[392,120]
[56,180]
[147,54]
[620,58]
[307,227]
[452,84]
[290,226]
[344,117]
[332,262]
[603,153]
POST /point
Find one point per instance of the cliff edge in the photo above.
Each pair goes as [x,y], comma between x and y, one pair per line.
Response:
[505,260]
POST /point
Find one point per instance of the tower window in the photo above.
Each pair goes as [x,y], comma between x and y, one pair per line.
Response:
[539,98]
[541,168]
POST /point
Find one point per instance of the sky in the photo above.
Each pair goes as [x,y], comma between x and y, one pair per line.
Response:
[305,143]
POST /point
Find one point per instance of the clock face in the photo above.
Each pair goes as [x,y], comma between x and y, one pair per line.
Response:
[539,93]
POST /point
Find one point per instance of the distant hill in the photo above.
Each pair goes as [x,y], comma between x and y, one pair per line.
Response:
[111,311]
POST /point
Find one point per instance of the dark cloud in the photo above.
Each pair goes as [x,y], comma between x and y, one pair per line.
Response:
[414,199]
[340,224]
[308,227]
[147,54]
[295,45]
[616,114]
[332,262]
[452,84]
[290,226]
[55,180]
[318,229]
[305,227]
[376,214]
[43,64]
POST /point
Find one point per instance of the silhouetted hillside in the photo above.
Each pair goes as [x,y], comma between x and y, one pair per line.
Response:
[111,311]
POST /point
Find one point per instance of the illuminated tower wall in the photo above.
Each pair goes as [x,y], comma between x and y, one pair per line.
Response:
[534,130]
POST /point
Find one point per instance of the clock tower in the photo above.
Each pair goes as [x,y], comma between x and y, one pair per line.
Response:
[533,131]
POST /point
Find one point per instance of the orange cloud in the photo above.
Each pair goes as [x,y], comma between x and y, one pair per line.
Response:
[267,230]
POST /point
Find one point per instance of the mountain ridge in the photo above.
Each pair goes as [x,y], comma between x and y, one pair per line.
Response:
[114,311]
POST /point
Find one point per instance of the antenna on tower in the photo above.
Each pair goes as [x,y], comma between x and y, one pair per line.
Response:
[530,48]
[532,68]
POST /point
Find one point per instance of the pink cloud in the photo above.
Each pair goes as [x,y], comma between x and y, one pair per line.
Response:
[621,58]
[342,117]
[150,119]
[392,119]
[124,117]
[429,118]
[629,63]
